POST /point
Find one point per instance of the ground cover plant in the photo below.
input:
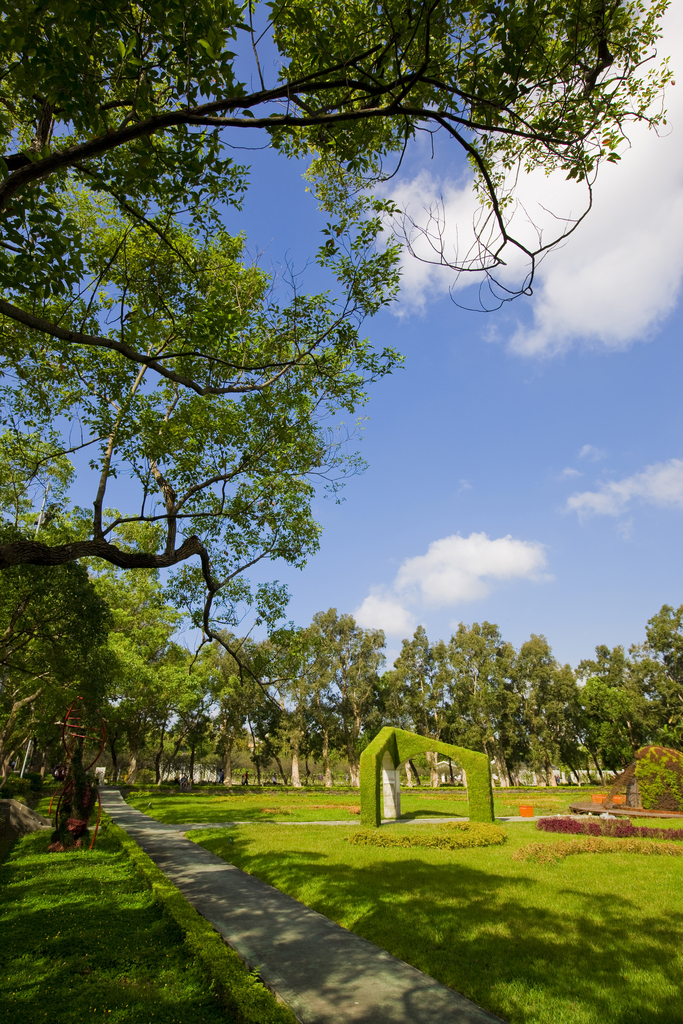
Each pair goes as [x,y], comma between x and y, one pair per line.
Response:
[84,937]
[620,828]
[549,853]
[588,940]
[315,803]
[449,836]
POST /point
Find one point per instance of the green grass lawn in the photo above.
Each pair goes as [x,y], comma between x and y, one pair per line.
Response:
[83,940]
[316,804]
[594,939]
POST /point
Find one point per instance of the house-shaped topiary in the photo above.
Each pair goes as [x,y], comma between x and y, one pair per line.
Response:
[380,764]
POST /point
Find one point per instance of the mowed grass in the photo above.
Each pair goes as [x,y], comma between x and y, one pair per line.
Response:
[594,939]
[246,803]
[82,940]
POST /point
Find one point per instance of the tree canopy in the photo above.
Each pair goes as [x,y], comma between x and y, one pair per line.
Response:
[135,332]
[138,101]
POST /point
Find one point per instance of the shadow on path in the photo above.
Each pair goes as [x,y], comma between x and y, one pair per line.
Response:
[325,973]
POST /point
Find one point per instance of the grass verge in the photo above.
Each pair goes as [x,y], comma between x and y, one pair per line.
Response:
[97,936]
[314,803]
[589,940]
[239,991]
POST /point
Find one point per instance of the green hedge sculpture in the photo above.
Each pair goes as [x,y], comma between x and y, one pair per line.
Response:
[400,745]
[659,771]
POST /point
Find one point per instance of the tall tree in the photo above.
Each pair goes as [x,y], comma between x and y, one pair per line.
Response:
[53,632]
[354,656]
[424,675]
[485,701]
[233,699]
[550,710]
[665,677]
[618,717]
[227,472]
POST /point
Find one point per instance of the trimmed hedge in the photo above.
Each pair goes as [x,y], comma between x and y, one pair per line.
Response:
[450,836]
[622,828]
[240,992]
[549,853]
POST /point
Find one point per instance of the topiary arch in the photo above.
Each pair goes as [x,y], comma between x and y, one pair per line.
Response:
[379,774]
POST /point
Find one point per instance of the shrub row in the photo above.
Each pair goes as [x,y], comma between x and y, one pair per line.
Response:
[619,829]
[452,836]
[15,786]
[549,853]
[240,992]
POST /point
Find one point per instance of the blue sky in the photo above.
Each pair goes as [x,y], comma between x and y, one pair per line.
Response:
[526,466]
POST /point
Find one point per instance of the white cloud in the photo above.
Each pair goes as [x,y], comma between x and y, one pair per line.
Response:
[459,568]
[660,484]
[619,274]
[384,612]
[593,454]
[454,570]
[569,471]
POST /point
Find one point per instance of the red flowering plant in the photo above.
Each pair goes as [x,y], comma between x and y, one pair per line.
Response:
[620,828]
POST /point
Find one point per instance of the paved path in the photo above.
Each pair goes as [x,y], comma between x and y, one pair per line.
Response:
[192,825]
[326,974]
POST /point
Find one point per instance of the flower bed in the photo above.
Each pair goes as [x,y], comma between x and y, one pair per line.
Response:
[619,829]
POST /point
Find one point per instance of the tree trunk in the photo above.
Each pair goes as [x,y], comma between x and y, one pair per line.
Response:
[326,758]
[409,774]
[114,755]
[296,781]
[132,768]
[434,779]
[158,755]
[193,747]
[502,773]
[6,733]
[227,764]
[597,765]
[415,772]
[282,771]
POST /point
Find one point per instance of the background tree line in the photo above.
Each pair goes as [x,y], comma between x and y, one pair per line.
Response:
[300,706]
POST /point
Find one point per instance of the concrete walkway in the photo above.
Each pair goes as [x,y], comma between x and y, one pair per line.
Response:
[192,825]
[326,974]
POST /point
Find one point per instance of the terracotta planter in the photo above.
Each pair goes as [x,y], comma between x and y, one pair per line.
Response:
[599,798]
[525,812]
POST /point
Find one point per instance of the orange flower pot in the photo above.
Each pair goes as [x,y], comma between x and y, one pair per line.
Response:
[599,798]
[619,799]
[525,812]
